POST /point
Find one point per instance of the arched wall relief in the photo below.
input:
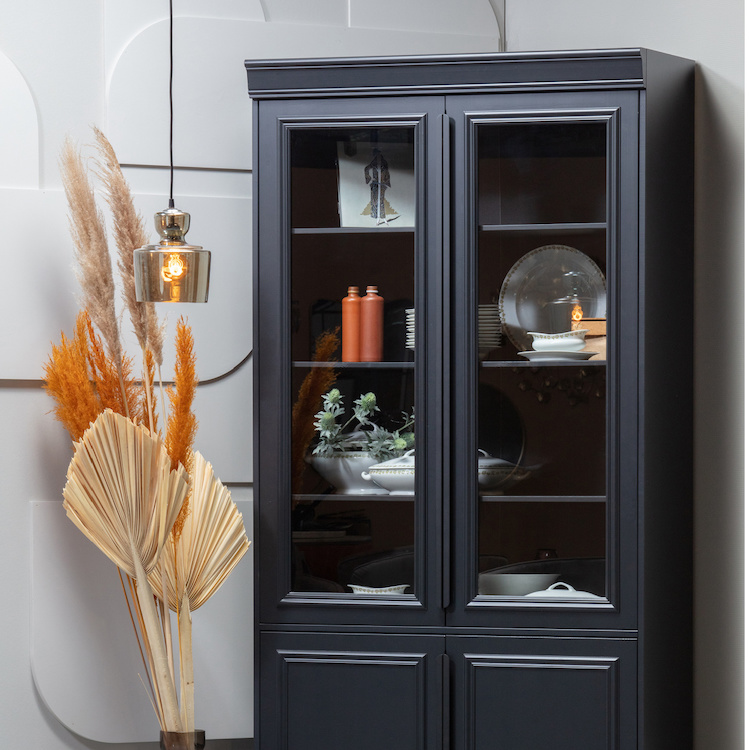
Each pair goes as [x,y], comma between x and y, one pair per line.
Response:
[19,145]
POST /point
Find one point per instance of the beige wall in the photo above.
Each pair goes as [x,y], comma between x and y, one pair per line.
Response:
[713,35]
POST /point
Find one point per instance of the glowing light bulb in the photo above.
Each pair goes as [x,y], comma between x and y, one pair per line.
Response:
[174,268]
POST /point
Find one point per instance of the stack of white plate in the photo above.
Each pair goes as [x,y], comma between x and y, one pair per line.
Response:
[489,329]
[410,328]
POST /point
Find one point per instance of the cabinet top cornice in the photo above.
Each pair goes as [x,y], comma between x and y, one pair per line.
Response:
[440,74]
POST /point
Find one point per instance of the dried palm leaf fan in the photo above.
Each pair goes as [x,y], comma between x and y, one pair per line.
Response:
[123,495]
[203,549]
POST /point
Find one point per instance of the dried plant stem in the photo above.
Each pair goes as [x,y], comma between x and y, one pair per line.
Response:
[157,702]
[148,387]
[166,620]
[150,686]
[187,682]
[122,387]
[162,676]
[161,395]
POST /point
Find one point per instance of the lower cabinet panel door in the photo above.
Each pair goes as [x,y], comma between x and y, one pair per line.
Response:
[350,692]
[533,694]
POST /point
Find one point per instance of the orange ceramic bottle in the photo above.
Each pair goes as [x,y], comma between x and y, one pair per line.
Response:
[371,339]
[350,325]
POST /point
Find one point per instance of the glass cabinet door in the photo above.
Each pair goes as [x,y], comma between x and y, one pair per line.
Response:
[352,472]
[352,342]
[534,375]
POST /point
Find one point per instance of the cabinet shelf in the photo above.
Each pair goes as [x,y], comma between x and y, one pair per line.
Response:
[366,497]
[577,227]
[357,365]
[352,230]
[323,539]
[543,498]
[557,363]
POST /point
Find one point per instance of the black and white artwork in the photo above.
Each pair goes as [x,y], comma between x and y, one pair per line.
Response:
[376,184]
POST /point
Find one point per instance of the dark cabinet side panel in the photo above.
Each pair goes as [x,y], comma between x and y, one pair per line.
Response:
[338,692]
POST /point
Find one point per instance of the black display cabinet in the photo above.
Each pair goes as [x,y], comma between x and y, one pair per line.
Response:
[522,579]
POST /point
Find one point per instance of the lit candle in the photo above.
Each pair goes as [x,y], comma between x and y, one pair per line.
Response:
[575,317]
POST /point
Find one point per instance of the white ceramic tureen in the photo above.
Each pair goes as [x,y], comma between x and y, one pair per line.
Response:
[395,475]
[344,471]
[494,473]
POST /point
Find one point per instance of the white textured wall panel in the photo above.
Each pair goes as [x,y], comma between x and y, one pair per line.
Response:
[436,16]
[225,424]
[212,110]
[57,47]
[309,12]
[38,256]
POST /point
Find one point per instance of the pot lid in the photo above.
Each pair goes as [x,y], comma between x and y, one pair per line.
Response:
[562,590]
[486,461]
[400,462]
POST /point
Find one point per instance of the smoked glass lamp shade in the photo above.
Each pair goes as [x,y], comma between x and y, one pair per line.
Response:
[171,271]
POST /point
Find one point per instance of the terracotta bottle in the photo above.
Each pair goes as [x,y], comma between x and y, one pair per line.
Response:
[350,325]
[371,338]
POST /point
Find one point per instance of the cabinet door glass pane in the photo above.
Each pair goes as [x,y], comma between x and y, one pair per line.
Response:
[352,339]
[541,233]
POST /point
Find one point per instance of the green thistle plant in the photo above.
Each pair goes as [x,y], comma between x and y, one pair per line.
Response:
[369,437]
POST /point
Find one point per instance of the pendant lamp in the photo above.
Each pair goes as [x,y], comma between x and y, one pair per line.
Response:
[172,270]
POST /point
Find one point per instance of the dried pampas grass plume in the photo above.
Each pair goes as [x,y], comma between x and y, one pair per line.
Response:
[130,233]
[92,253]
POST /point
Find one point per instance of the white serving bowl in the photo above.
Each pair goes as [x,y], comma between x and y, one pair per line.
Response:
[344,471]
[395,475]
[568,341]
[383,591]
[493,583]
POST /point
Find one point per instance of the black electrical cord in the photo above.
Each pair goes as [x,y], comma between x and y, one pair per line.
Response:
[171,109]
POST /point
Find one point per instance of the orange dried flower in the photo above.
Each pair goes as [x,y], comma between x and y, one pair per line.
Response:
[106,377]
[317,382]
[182,424]
[68,381]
